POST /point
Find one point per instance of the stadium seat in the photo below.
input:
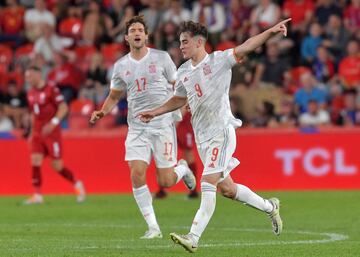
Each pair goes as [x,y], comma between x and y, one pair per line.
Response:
[71,27]
[110,53]
[80,111]
[83,57]
[23,52]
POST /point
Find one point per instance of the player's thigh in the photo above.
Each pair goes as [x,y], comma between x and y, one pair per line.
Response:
[37,149]
[54,146]
[138,172]
[138,146]
[164,145]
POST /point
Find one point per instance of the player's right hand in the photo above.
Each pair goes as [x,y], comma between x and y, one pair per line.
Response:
[146,117]
[96,115]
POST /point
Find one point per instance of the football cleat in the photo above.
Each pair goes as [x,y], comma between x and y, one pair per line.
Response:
[189,178]
[34,199]
[151,234]
[274,215]
[185,241]
[80,192]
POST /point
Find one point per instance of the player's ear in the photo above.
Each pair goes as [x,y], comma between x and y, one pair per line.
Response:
[127,39]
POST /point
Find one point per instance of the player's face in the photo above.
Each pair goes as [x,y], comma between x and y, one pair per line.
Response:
[136,36]
[187,45]
[33,77]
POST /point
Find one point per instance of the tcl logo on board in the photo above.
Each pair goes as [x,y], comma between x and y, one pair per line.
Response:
[315,161]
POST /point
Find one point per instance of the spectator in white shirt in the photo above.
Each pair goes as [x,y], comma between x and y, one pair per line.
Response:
[315,116]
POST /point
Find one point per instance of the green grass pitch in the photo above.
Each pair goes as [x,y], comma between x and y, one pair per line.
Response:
[315,224]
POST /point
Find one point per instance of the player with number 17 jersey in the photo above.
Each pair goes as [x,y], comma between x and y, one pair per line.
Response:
[147,85]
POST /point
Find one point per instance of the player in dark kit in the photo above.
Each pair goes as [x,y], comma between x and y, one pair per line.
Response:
[47,108]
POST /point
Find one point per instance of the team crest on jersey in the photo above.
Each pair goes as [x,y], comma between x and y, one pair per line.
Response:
[206,69]
[152,68]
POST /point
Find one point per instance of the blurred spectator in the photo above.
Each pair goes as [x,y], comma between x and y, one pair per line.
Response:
[95,85]
[352,18]
[97,25]
[49,43]
[239,16]
[152,15]
[266,14]
[66,77]
[176,13]
[212,15]
[12,23]
[167,35]
[301,13]
[326,8]
[349,116]
[175,54]
[120,13]
[349,67]
[323,66]
[271,68]
[5,122]
[314,117]
[336,37]
[336,100]
[35,18]
[310,43]
[266,116]
[15,104]
[309,91]
[287,117]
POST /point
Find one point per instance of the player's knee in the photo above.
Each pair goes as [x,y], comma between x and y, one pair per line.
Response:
[228,191]
[138,176]
[56,165]
[36,160]
[164,182]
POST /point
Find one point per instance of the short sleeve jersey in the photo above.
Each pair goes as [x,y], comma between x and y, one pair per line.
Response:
[43,104]
[207,88]
[147,84]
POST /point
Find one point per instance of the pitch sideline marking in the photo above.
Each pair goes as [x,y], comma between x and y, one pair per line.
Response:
[330,237]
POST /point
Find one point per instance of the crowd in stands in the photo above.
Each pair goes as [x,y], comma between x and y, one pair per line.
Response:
[310,78]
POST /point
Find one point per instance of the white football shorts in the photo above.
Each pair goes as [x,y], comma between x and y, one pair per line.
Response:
[160,143]
[216,153]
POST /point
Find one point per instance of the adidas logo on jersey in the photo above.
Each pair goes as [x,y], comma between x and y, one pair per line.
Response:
[186,79]
[127,73]
[211,165]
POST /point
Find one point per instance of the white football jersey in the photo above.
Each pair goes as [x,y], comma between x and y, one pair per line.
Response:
[147,85]
[207,88]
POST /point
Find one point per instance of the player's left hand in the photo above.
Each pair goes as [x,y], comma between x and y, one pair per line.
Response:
[146,117]
[48,128]
[280,27]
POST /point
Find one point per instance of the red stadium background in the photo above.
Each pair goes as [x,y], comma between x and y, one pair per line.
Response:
[270,160]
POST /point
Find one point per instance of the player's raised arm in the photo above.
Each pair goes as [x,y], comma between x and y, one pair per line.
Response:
[254,42]
[174,103]
[111,100]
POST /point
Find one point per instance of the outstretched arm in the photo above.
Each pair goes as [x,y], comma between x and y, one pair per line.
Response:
[172,104]
[111,100]
[254,42]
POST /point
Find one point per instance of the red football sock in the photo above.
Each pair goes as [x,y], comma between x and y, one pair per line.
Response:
[36,178]
[67,174]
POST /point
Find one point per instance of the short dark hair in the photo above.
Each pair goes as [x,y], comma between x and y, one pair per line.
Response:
[136,19]
[194,28]
[34,67]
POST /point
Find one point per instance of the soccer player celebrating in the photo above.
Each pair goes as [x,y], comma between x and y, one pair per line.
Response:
[47,110]
[146,76]
[204,82]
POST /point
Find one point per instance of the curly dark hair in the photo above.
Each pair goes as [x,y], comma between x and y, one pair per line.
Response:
[194,28]
[135,19]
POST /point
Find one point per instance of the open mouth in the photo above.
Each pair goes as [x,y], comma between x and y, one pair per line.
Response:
[137,39]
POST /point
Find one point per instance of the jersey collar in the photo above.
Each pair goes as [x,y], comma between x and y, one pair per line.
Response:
[198,65]
[138,61]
